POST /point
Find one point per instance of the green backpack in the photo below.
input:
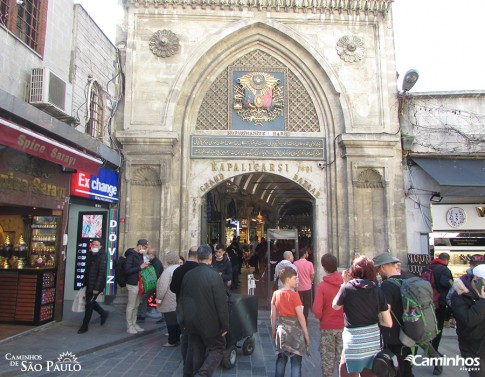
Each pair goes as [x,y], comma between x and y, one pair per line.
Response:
[418,322]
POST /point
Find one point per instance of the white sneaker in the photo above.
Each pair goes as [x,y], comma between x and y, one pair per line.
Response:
[131,330]
[138,328]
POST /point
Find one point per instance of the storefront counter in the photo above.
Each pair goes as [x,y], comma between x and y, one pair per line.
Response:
[27,296]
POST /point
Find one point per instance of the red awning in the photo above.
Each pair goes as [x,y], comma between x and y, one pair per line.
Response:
[35,144]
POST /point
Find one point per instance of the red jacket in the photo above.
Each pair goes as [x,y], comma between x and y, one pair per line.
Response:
[330,319]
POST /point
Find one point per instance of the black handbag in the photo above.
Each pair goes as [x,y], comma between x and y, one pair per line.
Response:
[385,364]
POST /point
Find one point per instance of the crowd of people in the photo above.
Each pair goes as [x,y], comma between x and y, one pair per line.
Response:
[359,310]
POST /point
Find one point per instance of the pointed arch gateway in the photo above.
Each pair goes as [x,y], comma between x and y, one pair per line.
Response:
[312,109]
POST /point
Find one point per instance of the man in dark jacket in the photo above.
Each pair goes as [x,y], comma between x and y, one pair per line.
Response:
[389,268]
[175,287]
[468,304]
[443,279]
[133,265]
[205,313]
[95,282]
[222,264]
[235,255]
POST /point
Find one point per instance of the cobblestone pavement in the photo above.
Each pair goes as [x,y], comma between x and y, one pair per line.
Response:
[110,351]
[145,356]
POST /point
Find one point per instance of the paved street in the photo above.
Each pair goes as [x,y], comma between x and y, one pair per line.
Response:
[144,356]
[110,351]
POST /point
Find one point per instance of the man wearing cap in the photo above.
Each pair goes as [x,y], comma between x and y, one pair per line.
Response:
[133,265]
[389,267]
[468,304]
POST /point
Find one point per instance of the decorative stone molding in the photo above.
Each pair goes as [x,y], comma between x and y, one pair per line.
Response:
[164,43]
[350,48]
[146,176]
[369,178]
[351,7]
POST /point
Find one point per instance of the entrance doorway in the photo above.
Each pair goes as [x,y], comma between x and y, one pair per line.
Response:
[246,205]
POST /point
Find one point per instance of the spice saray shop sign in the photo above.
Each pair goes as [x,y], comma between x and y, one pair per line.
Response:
[38,145]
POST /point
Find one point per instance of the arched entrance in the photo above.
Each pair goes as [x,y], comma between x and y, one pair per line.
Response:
[248,204]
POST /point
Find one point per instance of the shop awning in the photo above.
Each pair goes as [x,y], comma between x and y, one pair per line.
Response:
[457,177]
[38,145]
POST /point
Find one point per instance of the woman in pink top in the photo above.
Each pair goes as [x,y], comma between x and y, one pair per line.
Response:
[305,280]
[331,321]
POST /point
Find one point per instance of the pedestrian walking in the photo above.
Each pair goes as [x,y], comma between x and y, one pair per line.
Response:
[468,304]
[151,259]
[291,333]
[444,281]
[95,282]
[205,313]
[365,307]
[287,261]
[166,299]
[222,264]
[133,265]
[389,268]
[175,287]
[306,273]
[331,321]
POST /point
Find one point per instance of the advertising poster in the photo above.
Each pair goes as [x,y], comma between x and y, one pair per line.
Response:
[91,225]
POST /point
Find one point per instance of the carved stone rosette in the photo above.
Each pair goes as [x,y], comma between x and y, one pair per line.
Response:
[350,48]
[164,43]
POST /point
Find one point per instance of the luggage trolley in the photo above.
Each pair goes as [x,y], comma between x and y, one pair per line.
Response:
[243,323]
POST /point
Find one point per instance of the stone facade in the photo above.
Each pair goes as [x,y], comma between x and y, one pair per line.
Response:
[341,86]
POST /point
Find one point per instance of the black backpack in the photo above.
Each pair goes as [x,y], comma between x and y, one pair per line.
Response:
[120,275]
[385,364]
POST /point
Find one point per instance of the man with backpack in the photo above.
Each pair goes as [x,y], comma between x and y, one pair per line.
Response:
[443,280]
[389,268]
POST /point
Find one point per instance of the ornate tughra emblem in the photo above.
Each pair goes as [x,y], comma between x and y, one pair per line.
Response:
[258,97]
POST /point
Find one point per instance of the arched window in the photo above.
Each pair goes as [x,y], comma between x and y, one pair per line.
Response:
[96,111]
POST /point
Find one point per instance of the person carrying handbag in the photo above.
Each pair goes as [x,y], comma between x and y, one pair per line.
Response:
[365,308]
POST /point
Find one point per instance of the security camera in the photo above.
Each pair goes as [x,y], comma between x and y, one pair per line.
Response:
[321,165]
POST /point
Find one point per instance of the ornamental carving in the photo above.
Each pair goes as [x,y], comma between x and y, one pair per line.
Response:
[146,176]
[164,43]
[369,178]
[350,48]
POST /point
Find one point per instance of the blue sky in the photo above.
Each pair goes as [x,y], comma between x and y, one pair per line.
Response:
[442,39]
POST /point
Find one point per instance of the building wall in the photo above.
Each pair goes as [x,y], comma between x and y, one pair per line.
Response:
[94,57]
[356,103]
[15,78]
[446,125]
